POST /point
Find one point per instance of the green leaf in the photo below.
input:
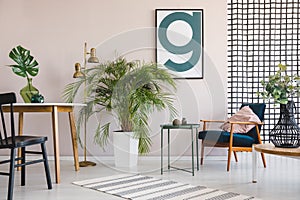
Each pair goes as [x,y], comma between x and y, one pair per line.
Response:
[25,63]
[283,101]
[282,67]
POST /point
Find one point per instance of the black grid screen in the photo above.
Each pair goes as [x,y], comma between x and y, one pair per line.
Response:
[261,34]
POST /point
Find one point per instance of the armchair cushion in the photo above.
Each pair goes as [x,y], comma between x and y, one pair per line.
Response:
[239,140]
[245,114]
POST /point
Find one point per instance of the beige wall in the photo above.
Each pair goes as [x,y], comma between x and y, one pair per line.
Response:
[55,31]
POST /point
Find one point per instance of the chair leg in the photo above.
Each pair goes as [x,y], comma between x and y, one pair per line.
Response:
[264,160]
[11,174]
[202,153]
[46,166]
[228,160]
[23,169]
[235,156]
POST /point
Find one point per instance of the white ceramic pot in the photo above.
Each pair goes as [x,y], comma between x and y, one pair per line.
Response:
[125,149]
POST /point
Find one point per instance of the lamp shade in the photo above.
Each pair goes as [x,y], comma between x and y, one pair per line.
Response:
[78,72]
[93,58]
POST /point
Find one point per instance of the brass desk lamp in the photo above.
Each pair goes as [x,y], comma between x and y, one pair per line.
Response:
[78,73]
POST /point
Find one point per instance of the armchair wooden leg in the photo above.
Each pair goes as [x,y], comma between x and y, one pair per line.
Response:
[264,160]
[228,160]
[230,147]
[235,156]
[260,142]
[202,153]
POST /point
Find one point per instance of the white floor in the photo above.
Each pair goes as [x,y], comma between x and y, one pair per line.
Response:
[280,180]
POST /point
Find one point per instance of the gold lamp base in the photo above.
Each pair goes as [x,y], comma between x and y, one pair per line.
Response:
[86,164]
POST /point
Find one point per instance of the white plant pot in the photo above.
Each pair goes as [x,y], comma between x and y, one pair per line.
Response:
[125,149]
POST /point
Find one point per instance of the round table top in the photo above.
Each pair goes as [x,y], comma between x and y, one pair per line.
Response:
[271,149]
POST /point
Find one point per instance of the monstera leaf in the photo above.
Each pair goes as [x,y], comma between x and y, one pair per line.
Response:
[26,65]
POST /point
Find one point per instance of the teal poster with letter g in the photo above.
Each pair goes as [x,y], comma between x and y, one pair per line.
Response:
[179,41]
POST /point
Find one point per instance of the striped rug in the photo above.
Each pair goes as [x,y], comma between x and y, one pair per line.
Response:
[139,187]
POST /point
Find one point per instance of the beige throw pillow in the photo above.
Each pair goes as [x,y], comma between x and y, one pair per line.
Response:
[245,114]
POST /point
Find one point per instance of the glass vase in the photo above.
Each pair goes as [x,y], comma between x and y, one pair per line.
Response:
[28,91]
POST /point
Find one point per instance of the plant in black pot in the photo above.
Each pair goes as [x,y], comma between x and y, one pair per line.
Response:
[26,66]
[130,91]
[282,87]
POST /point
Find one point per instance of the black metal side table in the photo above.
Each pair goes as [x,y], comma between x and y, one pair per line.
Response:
[192,127]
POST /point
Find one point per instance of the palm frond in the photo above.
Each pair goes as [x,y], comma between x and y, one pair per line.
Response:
[102,134]
[71,90]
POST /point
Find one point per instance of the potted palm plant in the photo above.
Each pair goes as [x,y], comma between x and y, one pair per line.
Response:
[130,91]
[282,87]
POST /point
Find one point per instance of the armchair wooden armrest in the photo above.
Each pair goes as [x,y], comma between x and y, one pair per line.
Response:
[216,121]
[210,121]
[254,123]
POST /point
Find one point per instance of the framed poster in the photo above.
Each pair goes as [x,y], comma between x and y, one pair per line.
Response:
[179,41]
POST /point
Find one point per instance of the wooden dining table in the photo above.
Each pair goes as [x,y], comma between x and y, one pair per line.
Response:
[54,109]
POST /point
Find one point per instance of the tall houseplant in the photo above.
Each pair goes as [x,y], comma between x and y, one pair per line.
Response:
[26,66]
[130,91]
[282,87]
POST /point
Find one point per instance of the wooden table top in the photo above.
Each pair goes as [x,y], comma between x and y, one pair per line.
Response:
[42,107]
[49,104]
[271,149]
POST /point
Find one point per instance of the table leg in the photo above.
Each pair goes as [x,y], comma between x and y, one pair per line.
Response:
[56,142]
[192,136]
[74,140]
[20,128]
[161,150]
[197,147]
[169,149]
[20,132]
[254,165]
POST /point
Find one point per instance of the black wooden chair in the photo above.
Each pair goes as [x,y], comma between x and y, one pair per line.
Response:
[8,140]
[235,142]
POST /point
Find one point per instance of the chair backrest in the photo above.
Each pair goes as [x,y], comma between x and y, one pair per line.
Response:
[259,110]
[7,136]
